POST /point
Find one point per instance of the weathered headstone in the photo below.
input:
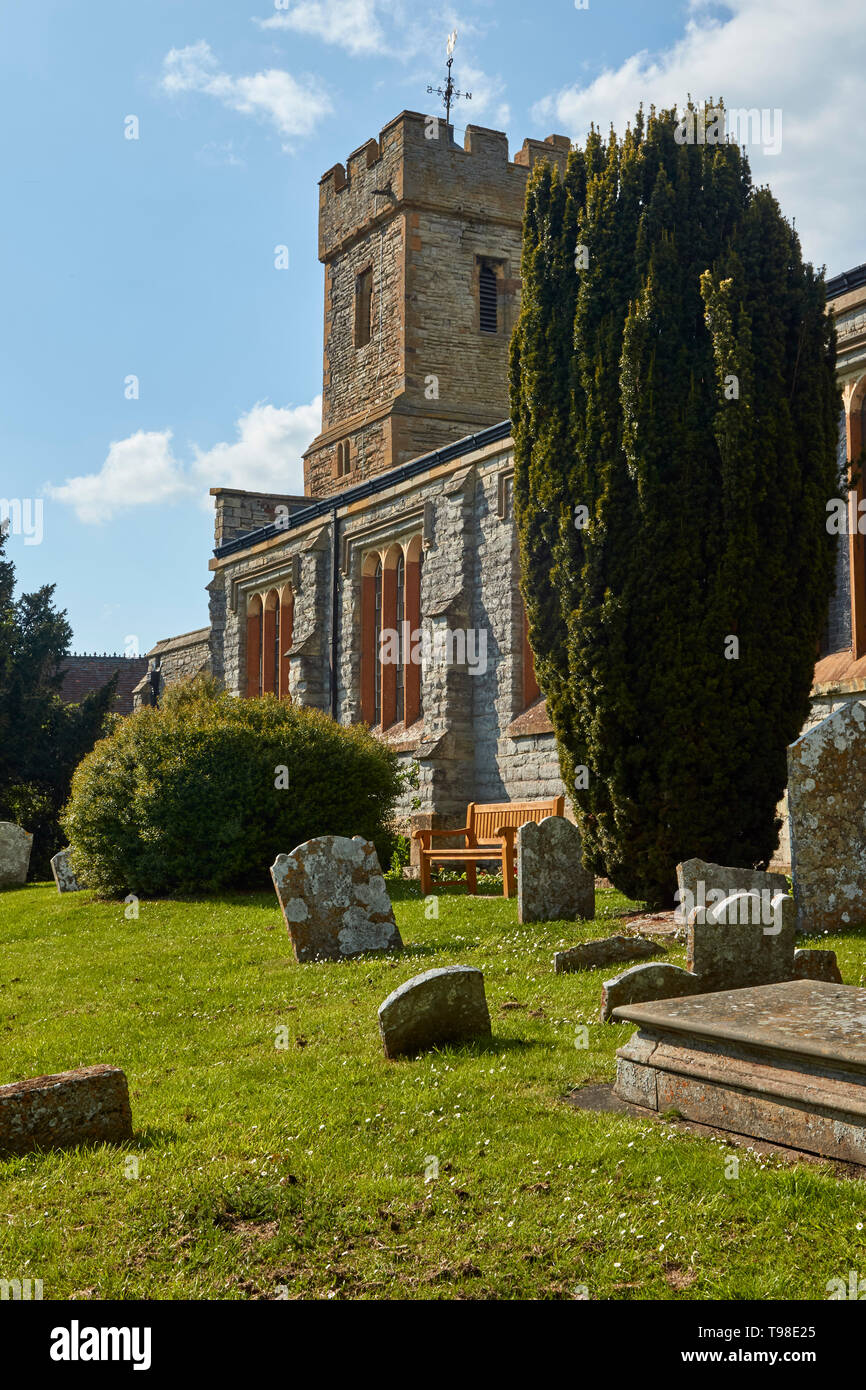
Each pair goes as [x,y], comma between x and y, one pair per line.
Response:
[334,899]
[658,980]
[440,1006]
[588,955]
[744,940]
[90,1105]
[64,875]
[817,965]
[701,884]
[827,809]
[552,883]
[15,847]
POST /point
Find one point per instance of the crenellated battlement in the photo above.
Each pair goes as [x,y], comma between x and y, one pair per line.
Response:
[420,238]
[416,163]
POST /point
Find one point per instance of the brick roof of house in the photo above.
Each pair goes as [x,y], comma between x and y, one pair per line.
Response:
[81,674]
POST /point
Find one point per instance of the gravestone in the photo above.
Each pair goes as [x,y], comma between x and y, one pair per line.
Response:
[827,810]
[15,847]
[334,899]
[700,884]
[817,965]
[784,1062]
[743,941]
[658,980]
[90,1105]
[552,883]
[64,876]
[440,1006]
[588,955]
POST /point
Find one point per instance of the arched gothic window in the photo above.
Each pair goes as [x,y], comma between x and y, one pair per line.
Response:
[402,643]
[377,644]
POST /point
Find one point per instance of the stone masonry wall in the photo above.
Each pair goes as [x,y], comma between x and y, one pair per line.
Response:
[180,658]
[237,512]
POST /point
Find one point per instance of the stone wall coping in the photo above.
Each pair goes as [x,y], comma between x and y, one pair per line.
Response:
[185,639]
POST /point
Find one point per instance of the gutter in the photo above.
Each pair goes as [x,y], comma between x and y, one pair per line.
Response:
[848,280]
[491,435]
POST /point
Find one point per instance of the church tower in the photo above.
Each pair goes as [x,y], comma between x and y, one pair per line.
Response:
[420,240]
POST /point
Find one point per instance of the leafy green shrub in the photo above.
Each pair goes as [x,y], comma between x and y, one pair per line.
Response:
[191,796]
[399,854]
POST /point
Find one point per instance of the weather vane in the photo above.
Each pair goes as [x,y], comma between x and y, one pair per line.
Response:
[447,92]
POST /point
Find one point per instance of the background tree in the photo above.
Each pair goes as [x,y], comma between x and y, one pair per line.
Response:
[42,740]
[673,373]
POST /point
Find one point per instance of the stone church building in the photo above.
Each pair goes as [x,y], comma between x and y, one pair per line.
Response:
[406,524]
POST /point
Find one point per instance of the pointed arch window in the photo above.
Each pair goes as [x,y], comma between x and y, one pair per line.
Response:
[270,663]
[399,627]
[390,624]
[254,646]
[287,614]
[377,644]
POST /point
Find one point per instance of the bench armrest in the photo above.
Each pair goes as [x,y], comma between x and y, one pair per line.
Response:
[507,833]
[418,834]
[425,836]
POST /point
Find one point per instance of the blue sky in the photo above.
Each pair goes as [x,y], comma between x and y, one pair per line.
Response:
[154,257]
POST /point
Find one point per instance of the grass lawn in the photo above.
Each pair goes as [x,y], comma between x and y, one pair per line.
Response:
[304,1171]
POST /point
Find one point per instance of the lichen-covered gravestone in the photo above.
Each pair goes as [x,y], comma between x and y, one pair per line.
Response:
[334,899]
[552,883]
[15,847]
[88,1106]
[440,1006]
[827,809]
[738,943]
[589,955]
[745,941]
[700,884]
[64,874]
[644,983]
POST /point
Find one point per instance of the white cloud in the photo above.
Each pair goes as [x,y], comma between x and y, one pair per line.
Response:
[138,471]
[293,105]
[401,30]
[352,24]
[487,99]
[143,470]
[802,57]
[267,452]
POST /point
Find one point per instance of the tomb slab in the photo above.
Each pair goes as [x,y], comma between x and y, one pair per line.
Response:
[782,1062]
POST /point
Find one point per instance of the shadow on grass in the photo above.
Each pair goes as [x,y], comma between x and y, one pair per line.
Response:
[409,890]
[479,1047]
[153,1137]
[435,948]
[150,1137]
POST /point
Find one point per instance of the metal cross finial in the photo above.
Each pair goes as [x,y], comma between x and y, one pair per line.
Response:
[448,92]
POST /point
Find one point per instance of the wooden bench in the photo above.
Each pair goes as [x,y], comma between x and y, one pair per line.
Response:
[490,833]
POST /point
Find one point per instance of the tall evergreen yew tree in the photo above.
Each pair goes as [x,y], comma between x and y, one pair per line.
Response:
[675,420]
